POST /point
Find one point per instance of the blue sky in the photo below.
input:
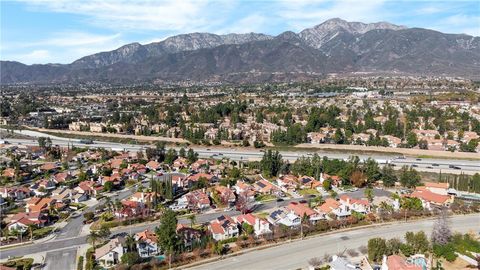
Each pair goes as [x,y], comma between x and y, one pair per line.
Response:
[43,31]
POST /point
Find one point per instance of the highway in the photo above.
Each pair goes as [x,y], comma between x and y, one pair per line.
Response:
[295,254]
[424,164]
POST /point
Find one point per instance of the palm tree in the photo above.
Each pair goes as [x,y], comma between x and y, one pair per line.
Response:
[303,221]
[108,202]
[369,194]
[130,243]
[31,227]
[93,238]
[193,219]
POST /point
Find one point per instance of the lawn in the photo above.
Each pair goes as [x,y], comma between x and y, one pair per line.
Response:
[42,232]
[264,198]
[308,191]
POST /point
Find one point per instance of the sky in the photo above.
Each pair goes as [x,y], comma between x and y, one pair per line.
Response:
[61,31]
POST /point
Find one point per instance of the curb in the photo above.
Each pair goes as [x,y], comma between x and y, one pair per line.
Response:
[261,247]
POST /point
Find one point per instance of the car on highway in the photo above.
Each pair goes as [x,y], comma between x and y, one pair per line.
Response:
[418,159]
[429,167]
[414,165]
[280,200]
[86,141]
[457,168]
[435,164]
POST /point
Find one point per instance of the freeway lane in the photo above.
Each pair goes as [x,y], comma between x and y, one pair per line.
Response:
[294,255]
[425,164]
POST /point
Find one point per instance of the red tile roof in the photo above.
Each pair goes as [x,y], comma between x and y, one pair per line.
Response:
[430,196]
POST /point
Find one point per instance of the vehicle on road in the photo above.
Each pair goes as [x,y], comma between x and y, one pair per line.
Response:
[414,165]
[456,168]
[435,164]
[86,141]
[280,200]
[418,159]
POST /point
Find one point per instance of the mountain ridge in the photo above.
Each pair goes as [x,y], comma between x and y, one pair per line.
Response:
[334,46]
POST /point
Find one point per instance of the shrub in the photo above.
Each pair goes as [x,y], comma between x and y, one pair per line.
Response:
[130,258]
[446,251]
[80,263]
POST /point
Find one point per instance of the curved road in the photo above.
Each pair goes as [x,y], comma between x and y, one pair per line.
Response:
[295,254]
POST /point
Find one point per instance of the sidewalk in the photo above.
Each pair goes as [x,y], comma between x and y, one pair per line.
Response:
[49,237]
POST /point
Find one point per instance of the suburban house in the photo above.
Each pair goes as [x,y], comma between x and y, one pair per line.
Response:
[110,254]
[264,187]
[224,227]
[188,235]
[335,179]
[146,243]
[285,217]
[36,204]
[301,210]
[288,182]
[153,165]
[196,177]
[333,207]
[380,200]
[88,187]
[340,263]
[14,193]
[246,189]
[226,195]
[438,188]
[22,220]
[180,163]
[196,199]
[260,226]
[308,182]
[395,262]
[143,197]
[357,205]
[432,200]
[42,187]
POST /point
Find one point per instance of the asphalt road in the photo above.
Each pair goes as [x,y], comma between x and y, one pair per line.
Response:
[61,259]
[61,242]
[295,255]
[425,164]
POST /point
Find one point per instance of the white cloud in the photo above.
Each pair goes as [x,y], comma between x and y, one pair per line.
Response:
[165,15]
[459,24]
[256,23]
[310,13]
[36,56]
[61,47]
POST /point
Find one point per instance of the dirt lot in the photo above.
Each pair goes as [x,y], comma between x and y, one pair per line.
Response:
[403,151]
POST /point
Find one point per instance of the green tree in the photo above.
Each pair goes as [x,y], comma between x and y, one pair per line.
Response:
[409,177]
[168,239]
[108,186]
[130,258]
[369,194]
[376,249]
[411,139]
[170,156]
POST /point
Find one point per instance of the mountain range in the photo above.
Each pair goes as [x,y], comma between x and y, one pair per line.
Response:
[335,46]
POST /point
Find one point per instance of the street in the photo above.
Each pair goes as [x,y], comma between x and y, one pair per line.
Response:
[294,255]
